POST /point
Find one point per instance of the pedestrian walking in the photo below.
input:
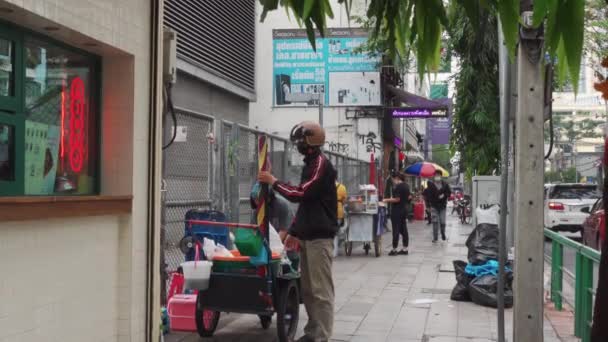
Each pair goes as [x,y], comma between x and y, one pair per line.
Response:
[439,192]
[426,195]
[401,197]
[314,228]
[342,196]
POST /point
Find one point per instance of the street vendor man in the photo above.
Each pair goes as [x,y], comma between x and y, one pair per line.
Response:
[314,227]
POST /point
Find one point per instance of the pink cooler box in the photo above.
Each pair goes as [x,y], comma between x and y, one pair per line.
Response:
[181,310]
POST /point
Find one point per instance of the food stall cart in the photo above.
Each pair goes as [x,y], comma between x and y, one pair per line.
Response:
[363,226]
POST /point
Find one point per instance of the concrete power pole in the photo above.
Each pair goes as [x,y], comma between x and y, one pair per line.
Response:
[529,168]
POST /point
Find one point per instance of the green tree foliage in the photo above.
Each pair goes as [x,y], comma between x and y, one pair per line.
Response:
[569,130]
[566,176]
[441,156]
[476,125]
[417,25]
[596,32]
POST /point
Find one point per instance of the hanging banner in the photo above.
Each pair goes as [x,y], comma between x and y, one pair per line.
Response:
[346,76]
[439,130]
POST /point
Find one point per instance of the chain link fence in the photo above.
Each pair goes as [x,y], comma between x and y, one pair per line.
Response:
[214,165]
[186,179]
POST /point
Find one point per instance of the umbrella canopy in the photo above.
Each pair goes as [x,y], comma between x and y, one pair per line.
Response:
[425,169]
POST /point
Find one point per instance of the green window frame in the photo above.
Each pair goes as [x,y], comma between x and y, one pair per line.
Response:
[13,110]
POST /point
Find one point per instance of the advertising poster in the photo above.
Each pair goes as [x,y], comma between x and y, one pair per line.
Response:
[41,152]
[439,130]
[337,69]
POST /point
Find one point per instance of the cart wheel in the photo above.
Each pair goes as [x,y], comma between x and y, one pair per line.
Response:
[348,248]
[288,311]
[265,321]
[206,320]
[367,247]
[378,246]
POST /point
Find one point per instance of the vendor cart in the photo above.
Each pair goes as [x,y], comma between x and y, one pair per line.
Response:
[238,286]
[363,226]
[361,229]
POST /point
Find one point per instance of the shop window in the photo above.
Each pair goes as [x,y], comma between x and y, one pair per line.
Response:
[7,159]
[52,147]
[6,67]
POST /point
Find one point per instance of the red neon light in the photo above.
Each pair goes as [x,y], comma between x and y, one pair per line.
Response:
[61,143]
[77,127]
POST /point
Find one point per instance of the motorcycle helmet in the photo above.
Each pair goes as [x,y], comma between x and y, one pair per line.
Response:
[307,135]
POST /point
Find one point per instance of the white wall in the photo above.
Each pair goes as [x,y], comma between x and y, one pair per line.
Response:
[84,279]
[277,120]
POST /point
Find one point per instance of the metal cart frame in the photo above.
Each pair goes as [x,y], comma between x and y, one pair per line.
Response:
[362,229]
[268,290]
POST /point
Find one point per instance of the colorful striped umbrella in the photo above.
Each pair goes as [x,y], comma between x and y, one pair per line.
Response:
[426,170]
[263,165]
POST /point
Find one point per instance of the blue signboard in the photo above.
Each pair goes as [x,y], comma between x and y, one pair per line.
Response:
[337,69]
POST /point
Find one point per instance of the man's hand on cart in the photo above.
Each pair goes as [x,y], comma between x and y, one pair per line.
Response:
[292,243]
[266,177]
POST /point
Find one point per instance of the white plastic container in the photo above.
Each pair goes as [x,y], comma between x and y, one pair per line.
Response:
[197,274]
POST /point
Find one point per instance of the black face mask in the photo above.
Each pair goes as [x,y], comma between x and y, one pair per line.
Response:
[303,149]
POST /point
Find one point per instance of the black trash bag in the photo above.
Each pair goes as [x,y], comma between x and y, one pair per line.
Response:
[483,290]
[460,292]
[483,244]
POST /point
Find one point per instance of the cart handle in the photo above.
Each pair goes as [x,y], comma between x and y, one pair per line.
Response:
[224,224]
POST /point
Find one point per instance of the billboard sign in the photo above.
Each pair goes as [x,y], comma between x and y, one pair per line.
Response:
[337,69]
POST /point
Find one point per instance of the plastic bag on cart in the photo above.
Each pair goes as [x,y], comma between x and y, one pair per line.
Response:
[483,244]
[276,246]
[460,292]
[222,251]
[209,248]
[483,290]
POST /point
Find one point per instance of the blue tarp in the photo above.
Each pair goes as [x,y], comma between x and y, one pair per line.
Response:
[490,267]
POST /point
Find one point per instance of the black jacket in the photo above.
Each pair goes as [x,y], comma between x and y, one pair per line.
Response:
[434,192]
[317,215]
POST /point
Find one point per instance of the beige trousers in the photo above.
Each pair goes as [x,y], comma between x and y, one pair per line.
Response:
[318,287]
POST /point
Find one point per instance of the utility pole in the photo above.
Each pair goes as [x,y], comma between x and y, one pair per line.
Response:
[321,100]
[529,168]
[505,206]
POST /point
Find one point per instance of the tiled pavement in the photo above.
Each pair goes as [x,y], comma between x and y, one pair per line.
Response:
[396,298]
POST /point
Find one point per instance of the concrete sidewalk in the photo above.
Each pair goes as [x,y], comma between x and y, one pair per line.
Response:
[393,298]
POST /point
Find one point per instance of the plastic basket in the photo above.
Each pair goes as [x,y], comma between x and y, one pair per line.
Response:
[248,241]
[239,263]
[197,274]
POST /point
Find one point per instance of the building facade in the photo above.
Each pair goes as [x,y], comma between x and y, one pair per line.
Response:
[77,158]
[351,117]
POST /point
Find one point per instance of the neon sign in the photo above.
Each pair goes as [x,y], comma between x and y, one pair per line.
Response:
[413,112]
[77,128]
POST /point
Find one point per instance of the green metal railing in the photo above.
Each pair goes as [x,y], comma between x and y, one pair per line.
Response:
[583,278]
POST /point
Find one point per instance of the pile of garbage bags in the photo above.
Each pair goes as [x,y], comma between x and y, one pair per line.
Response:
[477,279]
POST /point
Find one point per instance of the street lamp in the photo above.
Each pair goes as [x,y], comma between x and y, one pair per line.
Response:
[307,98]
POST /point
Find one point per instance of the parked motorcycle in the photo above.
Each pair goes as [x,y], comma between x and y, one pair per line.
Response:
[464,210]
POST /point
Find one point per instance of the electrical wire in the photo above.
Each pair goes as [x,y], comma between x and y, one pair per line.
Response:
[550,136]
[588,163]
[171,109]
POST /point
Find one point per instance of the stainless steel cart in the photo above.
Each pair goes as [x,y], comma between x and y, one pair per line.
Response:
[362,229]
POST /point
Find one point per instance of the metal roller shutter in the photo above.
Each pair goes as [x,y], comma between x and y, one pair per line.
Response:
[218,36]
